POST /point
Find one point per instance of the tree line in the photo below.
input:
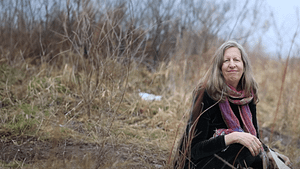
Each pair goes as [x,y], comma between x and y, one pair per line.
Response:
[148,31]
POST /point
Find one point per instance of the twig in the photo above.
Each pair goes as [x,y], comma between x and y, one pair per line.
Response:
[16,154]
[74,115]
[176,134]
[238,154]
[74,108]
[224,161]
[23,162]
[126,83]
[282,81]
[39,127]
[8,93]
[243,9]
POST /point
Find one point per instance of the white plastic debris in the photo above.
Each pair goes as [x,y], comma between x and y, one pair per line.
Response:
[149,97]
[279,163]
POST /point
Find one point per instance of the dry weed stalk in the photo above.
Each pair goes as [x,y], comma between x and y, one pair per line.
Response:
[283,80]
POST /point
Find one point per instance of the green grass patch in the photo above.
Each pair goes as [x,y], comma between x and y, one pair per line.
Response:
[23,121]
[132,134]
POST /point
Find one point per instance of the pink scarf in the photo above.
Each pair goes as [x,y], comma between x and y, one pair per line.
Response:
[239,98]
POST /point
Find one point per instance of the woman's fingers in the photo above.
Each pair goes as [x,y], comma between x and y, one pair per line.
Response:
[255,148]
[252,151]
[246,139]
[251,142]
[258,145]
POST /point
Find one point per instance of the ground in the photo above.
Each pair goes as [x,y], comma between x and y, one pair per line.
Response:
[30,151]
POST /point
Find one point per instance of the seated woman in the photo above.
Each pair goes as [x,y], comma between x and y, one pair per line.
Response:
[222,131]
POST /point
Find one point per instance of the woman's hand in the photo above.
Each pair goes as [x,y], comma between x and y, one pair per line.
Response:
[246,139]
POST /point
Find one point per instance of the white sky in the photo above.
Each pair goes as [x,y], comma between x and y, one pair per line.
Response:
[285,13]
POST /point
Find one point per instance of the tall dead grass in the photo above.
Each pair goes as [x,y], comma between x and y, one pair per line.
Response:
[80,81]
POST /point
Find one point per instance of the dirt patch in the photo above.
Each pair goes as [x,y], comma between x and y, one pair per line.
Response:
[75,153]
[32,151]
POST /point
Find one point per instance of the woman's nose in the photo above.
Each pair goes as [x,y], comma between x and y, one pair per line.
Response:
[231,64]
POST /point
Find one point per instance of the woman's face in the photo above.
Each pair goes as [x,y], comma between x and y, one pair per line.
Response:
[233,66]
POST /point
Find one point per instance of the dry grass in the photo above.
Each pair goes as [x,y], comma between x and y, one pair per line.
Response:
[70,109]
[135,132]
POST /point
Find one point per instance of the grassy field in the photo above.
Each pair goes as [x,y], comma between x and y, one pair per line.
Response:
[54,118]
[70,82]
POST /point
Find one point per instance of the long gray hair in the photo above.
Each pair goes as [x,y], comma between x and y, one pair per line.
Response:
[214,81]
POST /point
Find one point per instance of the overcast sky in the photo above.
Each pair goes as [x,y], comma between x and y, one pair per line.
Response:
[285,13]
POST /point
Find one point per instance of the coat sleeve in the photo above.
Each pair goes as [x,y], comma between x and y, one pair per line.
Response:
[204,145]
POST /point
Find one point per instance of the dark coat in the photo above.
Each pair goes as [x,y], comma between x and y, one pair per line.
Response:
[203,145]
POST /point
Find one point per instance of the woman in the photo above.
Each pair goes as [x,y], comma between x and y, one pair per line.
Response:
[222,131]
